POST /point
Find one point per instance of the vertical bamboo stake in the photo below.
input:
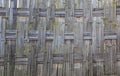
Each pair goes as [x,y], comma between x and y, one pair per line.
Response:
[90,24]
[85,58]
[2,39]
[110,60]
[87,15]
[49,19]
[1,54]
[32,59]
[49,58]
[99,44]
[68,15]
[87,27]
[5,50]
[11,44]
[45,72]
[20,40]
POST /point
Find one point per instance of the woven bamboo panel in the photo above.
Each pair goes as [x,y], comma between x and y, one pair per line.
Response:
[59,37]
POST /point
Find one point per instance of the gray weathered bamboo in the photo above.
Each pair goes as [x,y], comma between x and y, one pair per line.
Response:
[59,37]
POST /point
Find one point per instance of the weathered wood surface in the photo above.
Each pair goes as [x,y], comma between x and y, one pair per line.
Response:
[59,38]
